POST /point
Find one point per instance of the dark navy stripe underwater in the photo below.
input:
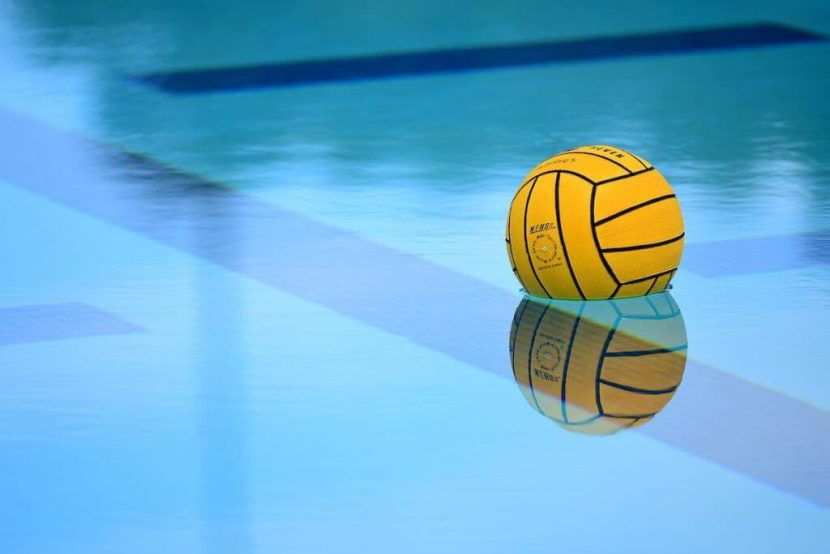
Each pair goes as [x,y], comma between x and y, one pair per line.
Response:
[196,81]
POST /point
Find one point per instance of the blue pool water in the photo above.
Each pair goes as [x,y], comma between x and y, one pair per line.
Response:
[277,318]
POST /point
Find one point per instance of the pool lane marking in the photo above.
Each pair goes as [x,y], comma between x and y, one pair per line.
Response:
[47,322]
[384,66]
[432,306]
[733,428]
[757,255]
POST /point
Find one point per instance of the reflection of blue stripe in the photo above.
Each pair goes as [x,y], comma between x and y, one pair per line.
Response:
[470,59]
[757,255]
[21,324]
[395,292]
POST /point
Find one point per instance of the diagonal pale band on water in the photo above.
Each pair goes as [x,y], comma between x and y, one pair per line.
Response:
[756,255]
[768,436]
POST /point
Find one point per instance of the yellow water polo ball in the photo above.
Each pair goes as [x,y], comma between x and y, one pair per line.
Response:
[594,222]
[598,367]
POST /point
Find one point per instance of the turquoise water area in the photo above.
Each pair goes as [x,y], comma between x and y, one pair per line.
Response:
[277,318]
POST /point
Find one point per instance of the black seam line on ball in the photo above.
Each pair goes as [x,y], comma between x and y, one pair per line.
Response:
[601,362]
[612,179]
[637,389]
[647,277]
[518,323]
[637,158]
[642,163]
[521,187]
[672,273]
[616,289]
[645,246]
[599,249]
[633,208]
[518,316]
[651,286]
[530,359]
[574,173]
[510,254]
[618,164]
[574,331]
[527,242]
[637,353]
[562,238]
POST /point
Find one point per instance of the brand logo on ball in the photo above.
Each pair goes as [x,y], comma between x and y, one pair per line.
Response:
[610,151]
[548,355]
[545,248]
[540,227]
